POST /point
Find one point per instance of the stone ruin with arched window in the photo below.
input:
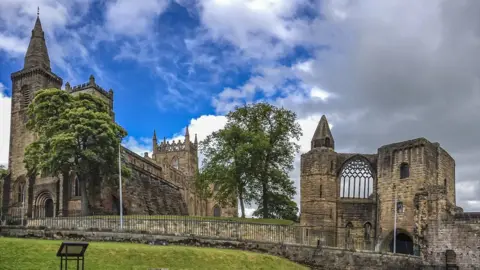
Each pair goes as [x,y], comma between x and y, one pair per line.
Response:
[354,200]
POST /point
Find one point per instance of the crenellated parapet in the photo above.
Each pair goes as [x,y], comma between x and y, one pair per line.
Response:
[175,146]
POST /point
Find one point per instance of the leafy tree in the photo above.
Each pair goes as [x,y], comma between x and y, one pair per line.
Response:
[3,172]
[281,207]
[224,167]
[272,156]
[74,133]
[252,156]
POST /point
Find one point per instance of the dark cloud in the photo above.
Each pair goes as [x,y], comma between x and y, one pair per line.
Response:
[412,71]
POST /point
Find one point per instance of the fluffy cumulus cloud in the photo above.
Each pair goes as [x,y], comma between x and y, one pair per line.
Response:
[4,125]
[379,75]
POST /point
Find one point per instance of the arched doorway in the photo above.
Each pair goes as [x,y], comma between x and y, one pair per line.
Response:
[49,208]
[44,205]
[404,244]
[217,211]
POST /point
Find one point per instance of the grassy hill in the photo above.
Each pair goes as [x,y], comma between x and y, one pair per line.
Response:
[25,254]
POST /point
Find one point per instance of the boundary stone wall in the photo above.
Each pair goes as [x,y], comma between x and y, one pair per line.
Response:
[314,257]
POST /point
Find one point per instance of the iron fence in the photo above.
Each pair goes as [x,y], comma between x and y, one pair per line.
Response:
[208,227]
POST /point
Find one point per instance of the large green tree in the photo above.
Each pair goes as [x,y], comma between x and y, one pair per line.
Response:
[272,157]
[252,156]
[75,133]
[225,165]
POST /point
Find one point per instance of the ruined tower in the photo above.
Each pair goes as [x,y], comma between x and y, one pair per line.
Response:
[35,75]
[318,183]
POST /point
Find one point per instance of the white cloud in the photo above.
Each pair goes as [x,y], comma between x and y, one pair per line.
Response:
[139,146]
[131,18]
[5,105]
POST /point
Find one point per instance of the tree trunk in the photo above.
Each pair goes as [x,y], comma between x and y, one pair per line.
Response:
[265,199]
[83,194]
[242,205]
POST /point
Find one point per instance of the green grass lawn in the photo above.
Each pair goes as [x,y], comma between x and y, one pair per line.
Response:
[25,254]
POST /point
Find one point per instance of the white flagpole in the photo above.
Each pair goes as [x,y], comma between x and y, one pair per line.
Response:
[395,226]
[120,184]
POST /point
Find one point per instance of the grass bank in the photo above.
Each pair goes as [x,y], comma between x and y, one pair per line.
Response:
[26,254]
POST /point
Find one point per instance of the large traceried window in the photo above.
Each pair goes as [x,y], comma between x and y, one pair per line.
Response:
[356,179]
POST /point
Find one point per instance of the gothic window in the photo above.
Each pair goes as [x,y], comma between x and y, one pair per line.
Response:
[175,162]
[321,187]
[20,192]
[25,96]
[445,185]
[404,171]
[75,187]
[327,142]
[367,231]
[400,207]
[356,179]
[216,211]
[348,232]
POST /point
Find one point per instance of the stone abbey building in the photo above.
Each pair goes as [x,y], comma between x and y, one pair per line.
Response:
[348,199]
[161,184]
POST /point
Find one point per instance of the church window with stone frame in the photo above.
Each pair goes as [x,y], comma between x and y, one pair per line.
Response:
[356,179]
[327,142]
[400,208]
[367,231]
[321,190]
[348,233]
[25,96]
[175,163]
[445,185]
[404,170]
[20,192]
[75,187]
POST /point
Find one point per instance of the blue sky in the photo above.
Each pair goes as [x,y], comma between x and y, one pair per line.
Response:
[380,76]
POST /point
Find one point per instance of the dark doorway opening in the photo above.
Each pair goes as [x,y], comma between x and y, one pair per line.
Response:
[404,244]
[49,208]
[216,211]
[115,205]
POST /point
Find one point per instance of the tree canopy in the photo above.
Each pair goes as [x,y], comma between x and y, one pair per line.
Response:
[75,133]
[251,159]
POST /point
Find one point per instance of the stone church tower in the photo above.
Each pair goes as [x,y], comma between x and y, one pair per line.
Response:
[35,75]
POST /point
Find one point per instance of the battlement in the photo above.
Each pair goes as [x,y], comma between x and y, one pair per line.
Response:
[90,85]
[175,146]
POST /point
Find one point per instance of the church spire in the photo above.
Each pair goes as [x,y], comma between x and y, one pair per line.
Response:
[323,136]
[37,53]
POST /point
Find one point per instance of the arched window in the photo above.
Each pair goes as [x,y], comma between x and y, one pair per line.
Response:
[404,171]
[367,231]
[356,179]
[400,208]
[327,142]
[321,187]
[348,234]
[25,96]
[175,163]
[75,187]
[217,211]
[20,192]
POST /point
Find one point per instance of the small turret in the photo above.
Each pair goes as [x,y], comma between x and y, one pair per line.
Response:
[91,80]
[323,136]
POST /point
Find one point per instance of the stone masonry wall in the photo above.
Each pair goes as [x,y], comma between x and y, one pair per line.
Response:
[315,258]
[460,235]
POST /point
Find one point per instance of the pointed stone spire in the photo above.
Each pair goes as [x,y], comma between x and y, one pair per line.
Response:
[154,142]
[196,141]
[323,136]
[37,53]
[187,133]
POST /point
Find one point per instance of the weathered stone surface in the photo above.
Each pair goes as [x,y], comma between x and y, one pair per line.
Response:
[425,198]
